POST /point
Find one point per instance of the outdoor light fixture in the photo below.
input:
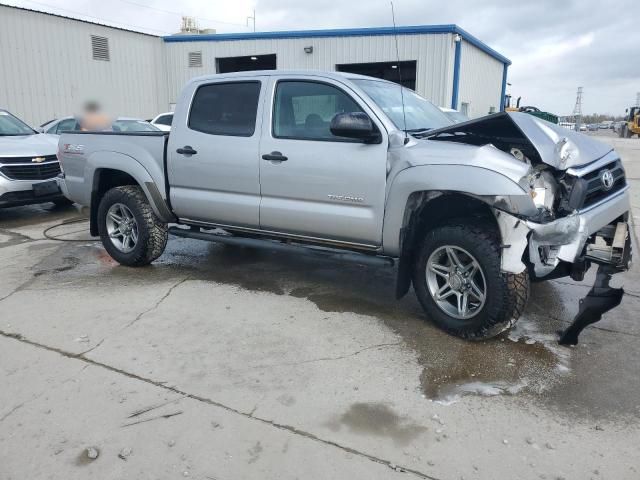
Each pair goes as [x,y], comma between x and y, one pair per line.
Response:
[254,58]
[457,38]
[308,49]
[394,66]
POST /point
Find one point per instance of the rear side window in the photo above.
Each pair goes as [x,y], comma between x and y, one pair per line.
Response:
[67,125]
[165,120]
[225,109]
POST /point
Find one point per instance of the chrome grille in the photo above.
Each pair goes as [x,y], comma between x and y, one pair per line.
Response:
[595,189]
[29,160]
[36,171]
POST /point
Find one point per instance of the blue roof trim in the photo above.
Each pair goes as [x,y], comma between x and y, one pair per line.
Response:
[338,32]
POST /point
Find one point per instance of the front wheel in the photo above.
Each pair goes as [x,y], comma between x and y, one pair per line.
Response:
[458,281]
[129,229]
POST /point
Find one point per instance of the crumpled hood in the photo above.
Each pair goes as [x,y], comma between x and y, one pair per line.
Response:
[539,140]
[426,152]
[28,145]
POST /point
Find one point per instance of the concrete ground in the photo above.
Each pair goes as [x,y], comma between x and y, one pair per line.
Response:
[225,363]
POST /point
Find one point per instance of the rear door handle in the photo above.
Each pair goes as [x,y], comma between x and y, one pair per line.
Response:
[274,157]
[186,150]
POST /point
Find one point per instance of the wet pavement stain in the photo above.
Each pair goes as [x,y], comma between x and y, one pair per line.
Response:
[526,362]
[377,419]
[451,367]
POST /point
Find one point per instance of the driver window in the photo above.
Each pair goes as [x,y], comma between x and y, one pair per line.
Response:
[304,110]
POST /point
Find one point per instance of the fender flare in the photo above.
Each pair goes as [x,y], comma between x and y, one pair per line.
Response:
[107,160]
[479,184]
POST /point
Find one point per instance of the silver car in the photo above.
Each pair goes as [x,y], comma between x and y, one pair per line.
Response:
[28,164]
[121,124]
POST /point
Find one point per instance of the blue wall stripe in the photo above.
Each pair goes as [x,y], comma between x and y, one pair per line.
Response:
[504,86]
[349,32]
[456,75]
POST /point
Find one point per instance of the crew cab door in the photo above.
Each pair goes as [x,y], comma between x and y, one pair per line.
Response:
[212,153]
[313,183]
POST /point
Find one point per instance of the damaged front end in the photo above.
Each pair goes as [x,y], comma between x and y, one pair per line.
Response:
[580,204]
[578,189]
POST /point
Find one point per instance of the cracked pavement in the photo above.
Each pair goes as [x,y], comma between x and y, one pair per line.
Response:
[227,363]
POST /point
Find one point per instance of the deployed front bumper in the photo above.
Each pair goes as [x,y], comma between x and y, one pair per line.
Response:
[565,239]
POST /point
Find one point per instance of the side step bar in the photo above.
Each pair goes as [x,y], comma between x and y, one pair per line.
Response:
[320,252]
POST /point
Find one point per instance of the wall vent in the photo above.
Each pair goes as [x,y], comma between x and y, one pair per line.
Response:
[195,59]
[100,48]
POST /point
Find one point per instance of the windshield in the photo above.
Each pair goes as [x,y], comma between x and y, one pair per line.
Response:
[11,126]
[133,126]
[420,113]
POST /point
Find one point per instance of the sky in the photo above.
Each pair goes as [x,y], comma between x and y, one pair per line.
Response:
[555,45]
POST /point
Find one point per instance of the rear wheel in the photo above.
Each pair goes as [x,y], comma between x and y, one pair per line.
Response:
[129,229]
[458,281]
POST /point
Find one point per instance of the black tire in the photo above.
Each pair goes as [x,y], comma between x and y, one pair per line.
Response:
[62,202]
[152,233]
[506,293]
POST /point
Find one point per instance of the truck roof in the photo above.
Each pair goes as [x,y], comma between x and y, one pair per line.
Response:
[305,73]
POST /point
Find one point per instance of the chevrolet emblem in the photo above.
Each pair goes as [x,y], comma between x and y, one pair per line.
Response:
[38,159]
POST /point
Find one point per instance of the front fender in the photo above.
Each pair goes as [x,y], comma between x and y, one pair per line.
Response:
[487,185]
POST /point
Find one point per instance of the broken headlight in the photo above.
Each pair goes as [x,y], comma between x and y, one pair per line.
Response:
[543,189]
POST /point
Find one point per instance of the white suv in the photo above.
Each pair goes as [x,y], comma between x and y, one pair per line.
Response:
[28,164]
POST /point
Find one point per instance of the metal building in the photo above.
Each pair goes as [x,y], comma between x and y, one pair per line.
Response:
[49,62]
[443,63]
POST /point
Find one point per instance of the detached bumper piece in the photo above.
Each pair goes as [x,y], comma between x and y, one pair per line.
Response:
[612,247]
[612,252]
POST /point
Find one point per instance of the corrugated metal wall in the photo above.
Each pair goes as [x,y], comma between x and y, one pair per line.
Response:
[47,70]
[433,52]
[480,81]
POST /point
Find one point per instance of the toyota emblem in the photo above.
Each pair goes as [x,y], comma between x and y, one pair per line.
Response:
[606,177]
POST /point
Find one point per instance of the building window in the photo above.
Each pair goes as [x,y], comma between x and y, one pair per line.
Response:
[225,109]
[195,59]
[304,110]
[100,48]
[246,64]
[385,70]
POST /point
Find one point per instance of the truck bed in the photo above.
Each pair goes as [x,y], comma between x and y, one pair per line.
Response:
[141,153]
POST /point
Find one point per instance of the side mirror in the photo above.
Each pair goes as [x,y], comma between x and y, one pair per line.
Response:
[356,125]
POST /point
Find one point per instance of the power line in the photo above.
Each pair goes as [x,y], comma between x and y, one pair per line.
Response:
[113,22]
[171,12]
[577,110]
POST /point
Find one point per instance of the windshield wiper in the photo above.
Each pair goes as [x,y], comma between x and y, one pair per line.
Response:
[416,132]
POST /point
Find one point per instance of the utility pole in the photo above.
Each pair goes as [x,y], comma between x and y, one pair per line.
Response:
[254,20]
[577,110]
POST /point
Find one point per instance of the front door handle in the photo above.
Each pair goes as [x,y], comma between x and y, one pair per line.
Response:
[274,157]
[186,150]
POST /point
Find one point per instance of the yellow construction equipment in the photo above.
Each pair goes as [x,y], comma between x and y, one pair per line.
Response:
[631,125]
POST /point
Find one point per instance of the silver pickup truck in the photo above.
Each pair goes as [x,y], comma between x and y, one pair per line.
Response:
[354,168]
